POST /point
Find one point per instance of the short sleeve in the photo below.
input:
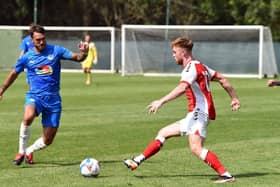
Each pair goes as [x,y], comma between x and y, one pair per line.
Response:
[211,72]
[20,65]
[64,52]
[189,73]
[91,46]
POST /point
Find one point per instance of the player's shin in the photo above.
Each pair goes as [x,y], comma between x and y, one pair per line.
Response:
[88,78]
[152,148]
[24,134]
[212,160]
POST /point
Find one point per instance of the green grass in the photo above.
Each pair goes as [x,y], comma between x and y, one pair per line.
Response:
[108,121]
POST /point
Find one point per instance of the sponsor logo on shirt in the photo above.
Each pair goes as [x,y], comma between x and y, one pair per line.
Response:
[188,67]
[44,70]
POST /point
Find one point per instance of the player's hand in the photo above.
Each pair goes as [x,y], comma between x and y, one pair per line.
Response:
[154,106]
[271,83]
[235,104]
[83,47]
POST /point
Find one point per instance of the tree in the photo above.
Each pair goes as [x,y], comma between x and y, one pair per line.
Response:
[118,12]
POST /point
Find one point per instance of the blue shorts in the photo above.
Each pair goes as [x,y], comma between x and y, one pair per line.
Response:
[48,105]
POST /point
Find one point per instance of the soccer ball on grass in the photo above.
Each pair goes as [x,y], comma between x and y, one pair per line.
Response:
[90,167]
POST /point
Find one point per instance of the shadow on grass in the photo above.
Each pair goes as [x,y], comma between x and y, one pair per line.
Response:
[255,174]
[170,176]
[243,175]
[63,163]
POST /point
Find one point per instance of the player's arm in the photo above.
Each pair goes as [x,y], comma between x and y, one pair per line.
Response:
[83,47]
[271,83]
[8,82]
[78,57]
[21,53]
[235,103]
[176,92]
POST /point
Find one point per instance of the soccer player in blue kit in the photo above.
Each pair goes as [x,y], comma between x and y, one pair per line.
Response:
[43,66]
[26,43]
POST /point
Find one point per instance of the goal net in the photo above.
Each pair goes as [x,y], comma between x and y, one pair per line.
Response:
[69,37]
[236,51]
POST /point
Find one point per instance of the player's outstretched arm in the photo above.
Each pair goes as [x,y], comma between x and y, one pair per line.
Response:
[235,103]
[8,82]
[176,92]
[271,83]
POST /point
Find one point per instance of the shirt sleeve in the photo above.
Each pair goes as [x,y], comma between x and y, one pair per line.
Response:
[91,45]
[211,72]
[20,65]
[64,52]
[189,74]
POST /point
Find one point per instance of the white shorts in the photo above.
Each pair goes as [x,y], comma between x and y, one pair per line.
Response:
[194,123]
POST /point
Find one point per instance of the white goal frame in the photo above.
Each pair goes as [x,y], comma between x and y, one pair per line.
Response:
[60,28]
[259,28]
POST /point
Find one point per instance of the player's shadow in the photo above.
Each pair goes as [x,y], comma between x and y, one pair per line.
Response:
[170,176]
[63,163]
[213,177]
[50,164]
[254,174]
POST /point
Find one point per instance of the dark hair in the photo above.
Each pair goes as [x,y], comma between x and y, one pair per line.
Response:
[183,43]
[36,28]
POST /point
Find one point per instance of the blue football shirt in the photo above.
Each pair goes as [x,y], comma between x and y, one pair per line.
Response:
[43,68]
[26,44]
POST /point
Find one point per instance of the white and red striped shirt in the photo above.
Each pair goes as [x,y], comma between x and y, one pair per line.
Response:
[198,77]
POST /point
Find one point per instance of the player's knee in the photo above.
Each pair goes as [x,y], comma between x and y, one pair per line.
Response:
[48,141]
[27,121]
[195,149]
[162,133]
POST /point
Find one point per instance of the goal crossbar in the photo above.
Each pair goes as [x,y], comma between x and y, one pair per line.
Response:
[258,28]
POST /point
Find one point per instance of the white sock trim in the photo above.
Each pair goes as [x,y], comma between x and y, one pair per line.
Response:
[203,154]
[227,174]
[161,139]
[139,158]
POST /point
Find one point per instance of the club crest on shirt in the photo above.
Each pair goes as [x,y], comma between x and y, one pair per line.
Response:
[50,57]
[44,70]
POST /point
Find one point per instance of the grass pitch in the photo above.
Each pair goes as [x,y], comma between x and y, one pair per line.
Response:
[108,121]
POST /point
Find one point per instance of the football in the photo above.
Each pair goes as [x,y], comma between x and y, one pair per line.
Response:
[90,167]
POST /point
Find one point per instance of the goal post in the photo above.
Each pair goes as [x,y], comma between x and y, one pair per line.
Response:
[69,37]
[236,51]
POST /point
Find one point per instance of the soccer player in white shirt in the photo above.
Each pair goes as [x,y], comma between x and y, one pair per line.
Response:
[195,79]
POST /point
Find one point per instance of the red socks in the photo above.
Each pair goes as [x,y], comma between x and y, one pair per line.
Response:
[152,148]
[213,161]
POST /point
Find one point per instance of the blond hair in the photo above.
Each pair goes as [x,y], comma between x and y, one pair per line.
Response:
[182,43]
